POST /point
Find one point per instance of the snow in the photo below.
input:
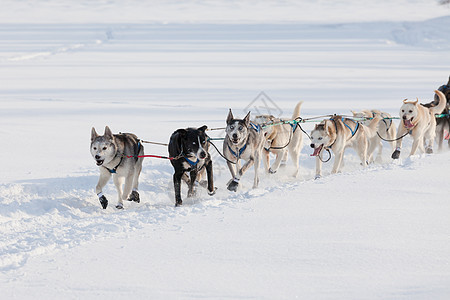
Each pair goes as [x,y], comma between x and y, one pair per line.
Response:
[152,67]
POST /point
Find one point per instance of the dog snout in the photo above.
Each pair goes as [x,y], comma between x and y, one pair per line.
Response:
[404,117]
[235,136]
[312,146]
[97,157]
[202,155]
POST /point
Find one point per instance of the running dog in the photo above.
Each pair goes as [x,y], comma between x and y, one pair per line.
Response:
[117,155]
[338,133]
[189,148]
[243,140]
[281,139]
[442,124]
[420,122]
[386,130]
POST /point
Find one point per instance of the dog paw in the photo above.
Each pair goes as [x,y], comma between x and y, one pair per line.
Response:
[134,197]
[317,177]
[429,150]
[272,171]
[233,186]
[213,192]
[119,206]
[396,154]
[103,202]
[178,203]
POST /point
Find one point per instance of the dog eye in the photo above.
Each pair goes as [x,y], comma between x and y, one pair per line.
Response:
[320,138]
[241,127]
[410,111]
[231,127]
[104,148]
[95,148]
[403,110]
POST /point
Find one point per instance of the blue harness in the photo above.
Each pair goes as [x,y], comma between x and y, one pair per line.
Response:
[256,127]
[237,155]
[351,130]
[114,170]
[192,163]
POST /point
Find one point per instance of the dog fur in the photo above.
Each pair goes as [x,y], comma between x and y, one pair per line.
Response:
[420,122]
[386,129]
[281,140]
[442,124]
[242,141]
[334,134]
[190,148]
[110,151]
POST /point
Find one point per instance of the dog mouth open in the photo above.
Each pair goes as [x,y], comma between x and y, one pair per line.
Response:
[99,162]
[408,124]
[317,150]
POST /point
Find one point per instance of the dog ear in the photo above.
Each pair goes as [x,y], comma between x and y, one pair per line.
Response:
[94,134]
[230,117]
[247,120]
[416,102]
[108,133]
[181,132]
[405,100]
[203,128]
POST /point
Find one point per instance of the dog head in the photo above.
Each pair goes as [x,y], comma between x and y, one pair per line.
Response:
[192,142]
[408,113]
[322,136]
[103,147]
[237,129]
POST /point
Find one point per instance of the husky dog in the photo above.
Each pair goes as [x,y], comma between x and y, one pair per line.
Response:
[281,140]
[420,122]
[386,130]
[339,133]
[117,155]
[442,124]
[243,140]
[190,147]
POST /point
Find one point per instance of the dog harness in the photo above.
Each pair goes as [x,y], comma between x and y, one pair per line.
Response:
[192,163]
[353,131]
[256,127]
[114,170]
[237,155]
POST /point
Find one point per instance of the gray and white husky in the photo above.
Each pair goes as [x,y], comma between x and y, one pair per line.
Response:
[117,155]
[243,140]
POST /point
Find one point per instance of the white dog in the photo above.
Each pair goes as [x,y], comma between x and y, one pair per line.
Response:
[420,122]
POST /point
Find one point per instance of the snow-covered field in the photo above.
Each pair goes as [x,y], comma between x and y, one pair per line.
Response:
[152,67]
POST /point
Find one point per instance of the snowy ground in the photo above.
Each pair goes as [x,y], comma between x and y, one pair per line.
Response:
[383,232]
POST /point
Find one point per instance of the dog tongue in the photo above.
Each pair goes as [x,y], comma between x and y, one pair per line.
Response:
[317,151]
[408,123]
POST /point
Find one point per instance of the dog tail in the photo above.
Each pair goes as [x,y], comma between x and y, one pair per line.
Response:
[373,126]
[297,109]
[442,103]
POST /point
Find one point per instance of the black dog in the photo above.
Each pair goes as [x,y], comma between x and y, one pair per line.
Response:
[442,124]
[189,148]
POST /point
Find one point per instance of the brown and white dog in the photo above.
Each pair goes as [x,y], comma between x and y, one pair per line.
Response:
[281,140]
[386,130]
[338,133]
[420,122]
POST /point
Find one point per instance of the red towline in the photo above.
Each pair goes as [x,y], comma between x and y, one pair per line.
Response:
[155,156]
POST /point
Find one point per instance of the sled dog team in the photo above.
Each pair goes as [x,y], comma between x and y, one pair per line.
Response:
[246,141]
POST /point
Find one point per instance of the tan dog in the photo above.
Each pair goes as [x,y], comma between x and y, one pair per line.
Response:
[281,140]
[386,129]
[420,122]
[337,134]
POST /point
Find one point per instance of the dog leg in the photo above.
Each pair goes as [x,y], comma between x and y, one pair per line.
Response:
[295,154]
[440,135]
[105,175]
[274,168]
[266,160]
[193,176]
[318,167]
[417,141]
[209,174]
[398,144]
[233,185]
[134,196]
[256,166]
[337,162]
[118,182]
[177,187]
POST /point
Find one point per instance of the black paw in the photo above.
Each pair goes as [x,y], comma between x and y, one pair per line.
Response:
[429,150]
[271,171]
[134,196]
[103,202]
[178,203]
[233,186]
[213,192]
[119,206]
[396,154]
